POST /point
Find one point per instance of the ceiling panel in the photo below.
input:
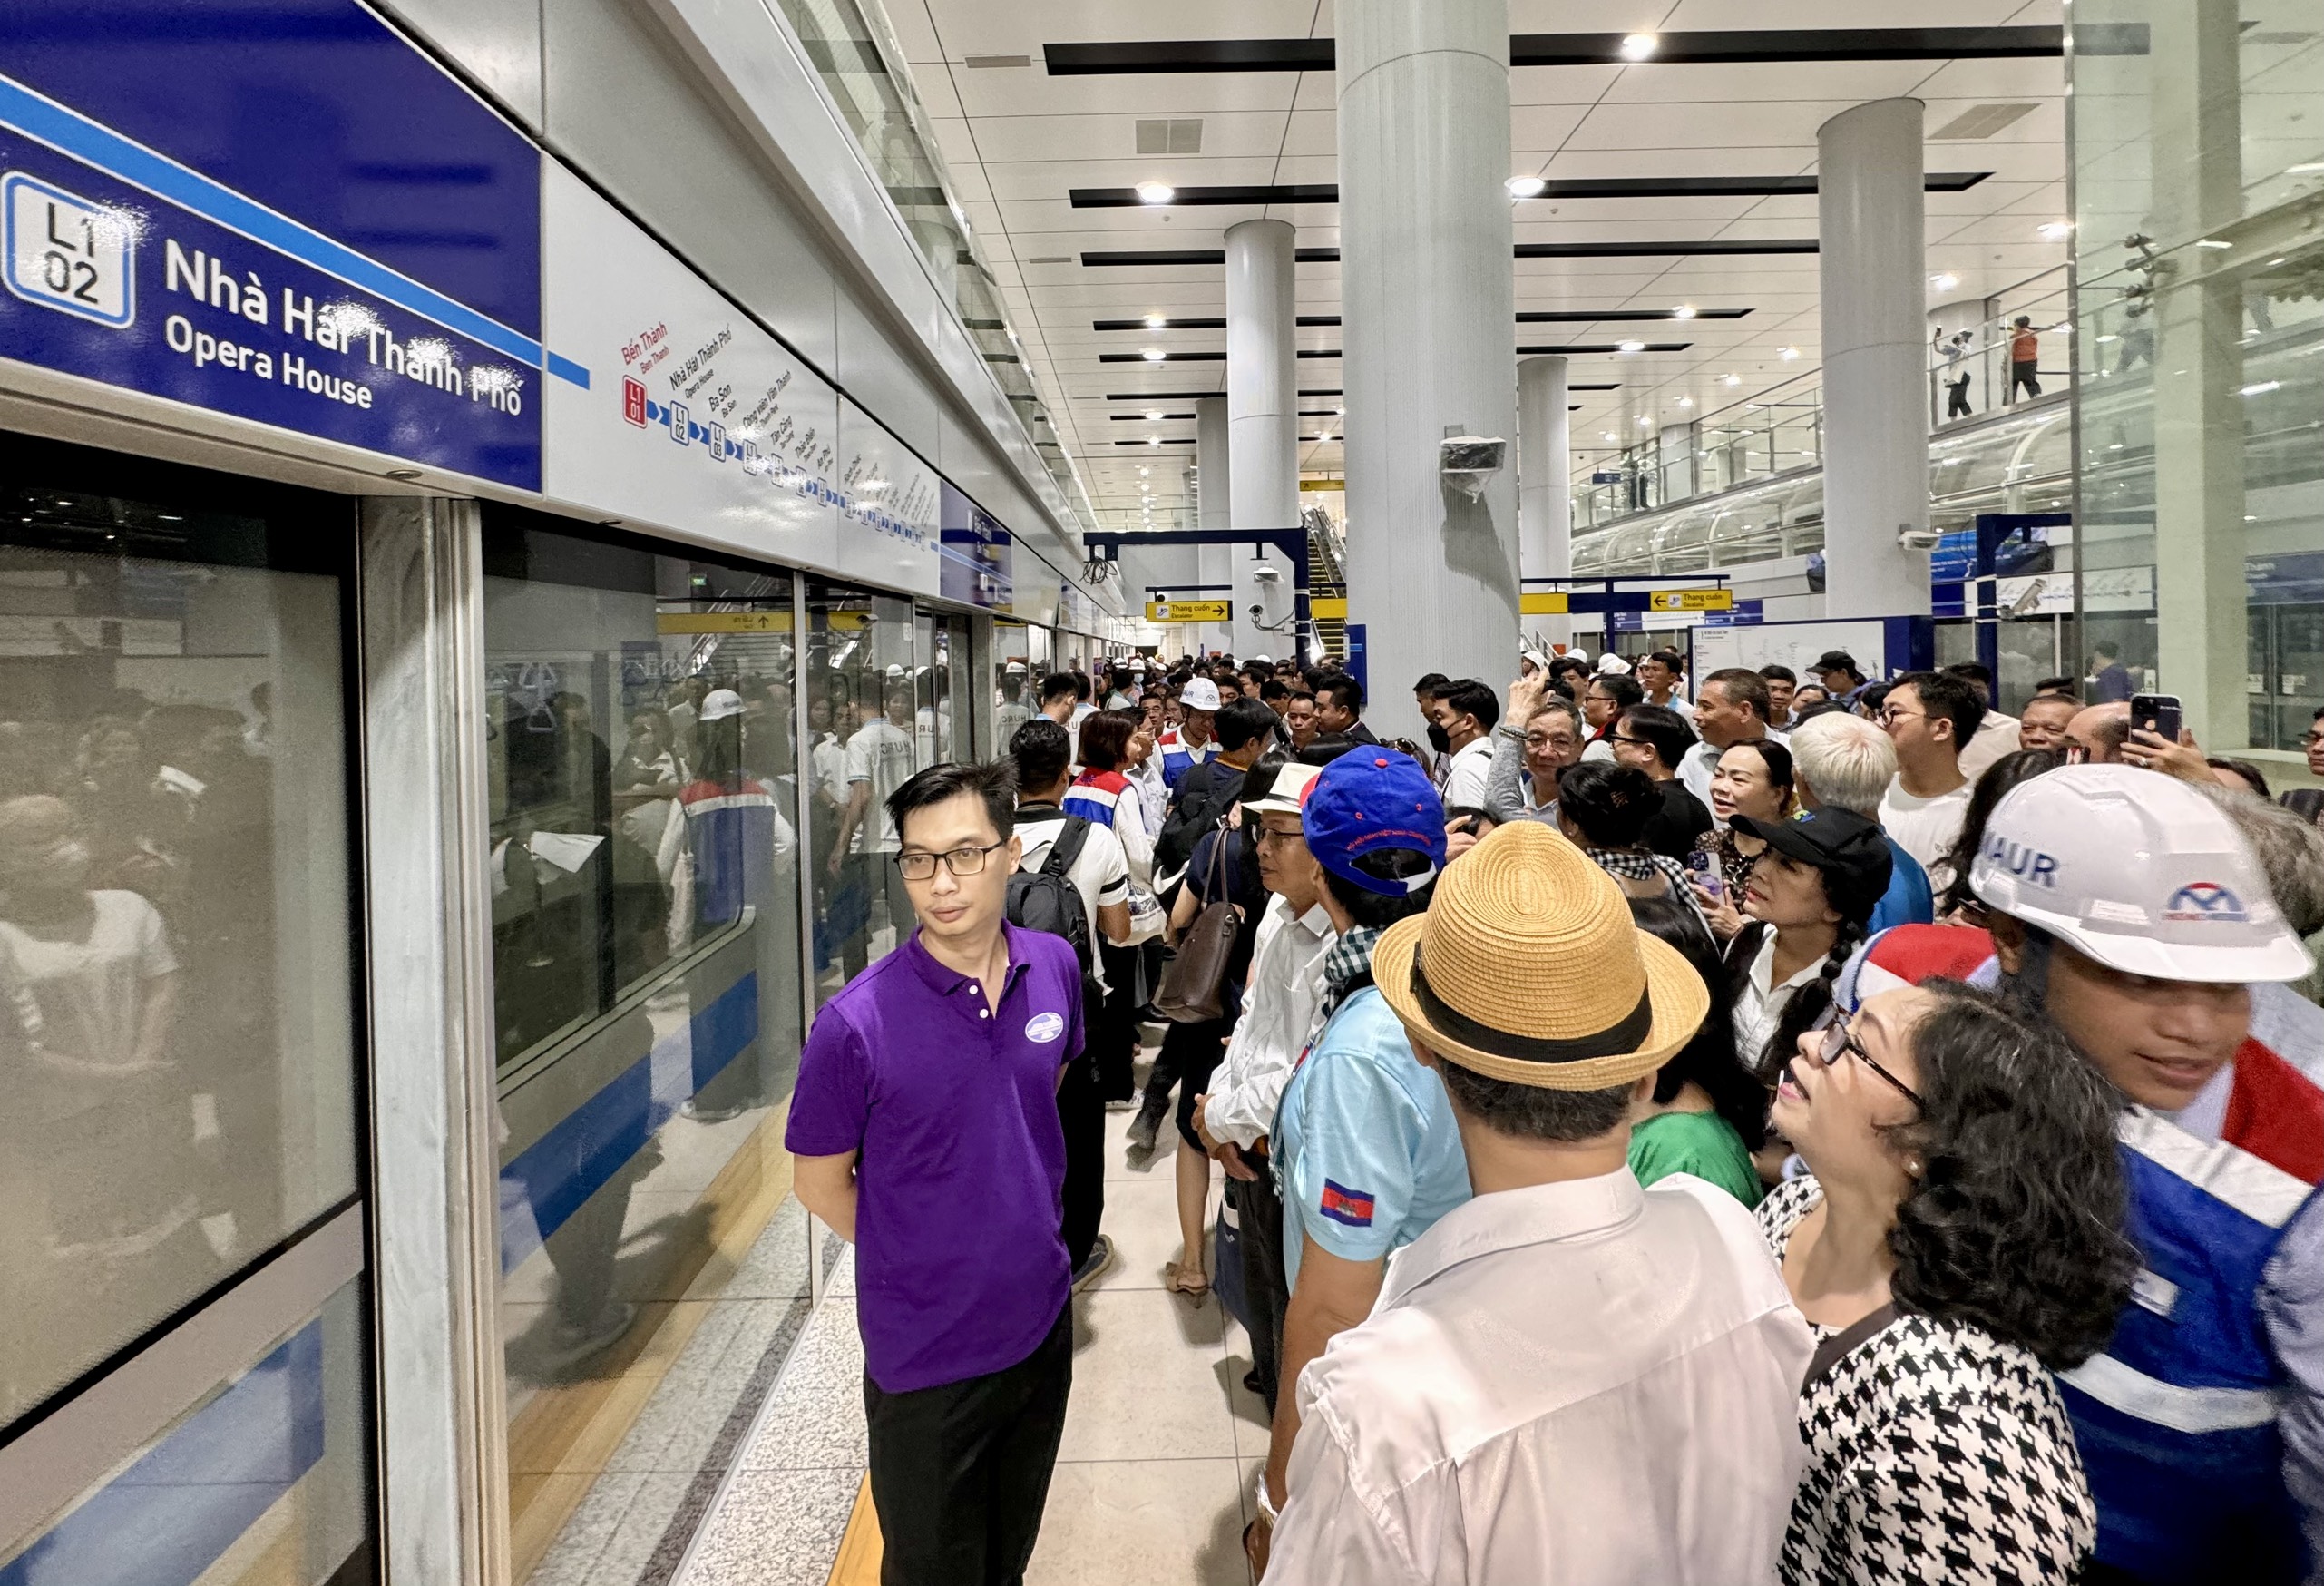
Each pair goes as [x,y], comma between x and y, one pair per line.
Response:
[1019,141]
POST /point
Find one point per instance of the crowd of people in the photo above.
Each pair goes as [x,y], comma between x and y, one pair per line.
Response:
[1815,1128]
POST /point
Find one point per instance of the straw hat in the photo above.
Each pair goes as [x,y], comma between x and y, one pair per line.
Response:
[1534,972]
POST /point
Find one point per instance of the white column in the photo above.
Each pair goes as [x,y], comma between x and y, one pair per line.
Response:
[1428,298]
[1263,423]
[1214,481]
[2202,621]
[1875,355]
[1545,473]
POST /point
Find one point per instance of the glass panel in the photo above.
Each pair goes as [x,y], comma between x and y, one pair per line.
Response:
[176,1020]
[2194,166]
[646,954]
[860,657]
[1016,686]
[265,1482]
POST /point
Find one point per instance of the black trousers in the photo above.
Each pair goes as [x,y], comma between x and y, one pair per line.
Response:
[1259,1218]
[2022,378]
[959,1472]
[1081,1110]
[1113,1033]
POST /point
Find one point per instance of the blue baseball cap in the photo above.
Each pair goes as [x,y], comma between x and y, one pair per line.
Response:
[1362,803]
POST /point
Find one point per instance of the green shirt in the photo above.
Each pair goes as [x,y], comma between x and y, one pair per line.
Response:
[1701,1144]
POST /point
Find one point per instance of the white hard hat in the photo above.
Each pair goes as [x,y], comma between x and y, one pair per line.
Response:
[1199,694]
[1269,659]
[719,704]
[1612,665]
[2137,872]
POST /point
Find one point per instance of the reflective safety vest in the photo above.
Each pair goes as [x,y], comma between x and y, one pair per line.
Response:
[1179,757]
[2176,1420]
[1095,794]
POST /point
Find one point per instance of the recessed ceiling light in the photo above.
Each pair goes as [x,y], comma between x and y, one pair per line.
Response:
[1945,282]
[1732,380]
[2306,168]
[1609,435]
[1686,402]
[1643,419]
[1156,321]
[1154,414]
[2056,229]
[2261,390]
[1683,311]
[2212,242]
[1155,192]
[1633,347]
[1154,440]
[1152,355]
[1638,46]
[1526,187]
[1787,353]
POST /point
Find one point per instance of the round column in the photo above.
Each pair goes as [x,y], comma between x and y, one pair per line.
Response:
[1545,473]
[1214,487]
[1875,360]
[1429,297]
[1262,424]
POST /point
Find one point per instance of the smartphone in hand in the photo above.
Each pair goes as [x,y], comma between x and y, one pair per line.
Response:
[2157,713]
[1704,866]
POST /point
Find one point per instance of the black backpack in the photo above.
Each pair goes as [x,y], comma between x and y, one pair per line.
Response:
[1206,793]
[1047,900]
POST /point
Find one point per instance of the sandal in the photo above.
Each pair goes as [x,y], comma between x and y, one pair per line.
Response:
[1191,1281]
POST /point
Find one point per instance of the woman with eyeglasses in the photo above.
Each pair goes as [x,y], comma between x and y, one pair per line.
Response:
[1809,899]
[1956,1240]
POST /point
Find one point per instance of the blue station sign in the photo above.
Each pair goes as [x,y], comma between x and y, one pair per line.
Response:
[283,214]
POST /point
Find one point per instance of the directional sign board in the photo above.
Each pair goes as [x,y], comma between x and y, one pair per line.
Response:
[1189,611]
[1692,599]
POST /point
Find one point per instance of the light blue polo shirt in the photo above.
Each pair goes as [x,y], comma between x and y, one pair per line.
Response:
[1366,1151]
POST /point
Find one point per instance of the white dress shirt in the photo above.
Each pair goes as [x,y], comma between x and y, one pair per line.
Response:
[1286,988]
[1469,772]
[1476,1431]
[1760,1002]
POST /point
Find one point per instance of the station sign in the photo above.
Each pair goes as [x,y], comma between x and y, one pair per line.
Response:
[1189,611]
[156,239]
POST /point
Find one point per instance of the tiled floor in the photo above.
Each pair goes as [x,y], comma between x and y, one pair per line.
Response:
[1162,1443]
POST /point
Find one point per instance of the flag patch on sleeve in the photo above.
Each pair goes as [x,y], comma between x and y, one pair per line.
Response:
[1352,1207]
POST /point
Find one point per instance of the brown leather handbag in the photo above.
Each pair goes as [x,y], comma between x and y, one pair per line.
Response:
[1193,986]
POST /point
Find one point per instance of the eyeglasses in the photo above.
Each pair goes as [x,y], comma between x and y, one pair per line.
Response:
[1268,833]
[1541,740]
[1838,1038]
[1890,716]
[920,867]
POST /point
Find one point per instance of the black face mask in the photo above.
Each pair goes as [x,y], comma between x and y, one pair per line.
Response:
[1439,739]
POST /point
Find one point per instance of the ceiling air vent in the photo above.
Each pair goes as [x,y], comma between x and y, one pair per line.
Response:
[1170,137]
[1052,259]
[994,62]
[1979,121]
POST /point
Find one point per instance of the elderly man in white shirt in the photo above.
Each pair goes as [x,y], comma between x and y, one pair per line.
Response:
[1279,1013]
[1570,1380]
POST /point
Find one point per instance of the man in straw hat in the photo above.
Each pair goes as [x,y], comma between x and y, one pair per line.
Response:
[1568,1378]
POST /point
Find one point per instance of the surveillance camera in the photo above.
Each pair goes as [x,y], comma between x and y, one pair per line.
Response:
[1918,537]
[1466,462]
[1255,611]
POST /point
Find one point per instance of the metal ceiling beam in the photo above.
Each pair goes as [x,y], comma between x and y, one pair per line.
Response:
[1529,316]
[1715,248]
[1719,46]
[1579,187]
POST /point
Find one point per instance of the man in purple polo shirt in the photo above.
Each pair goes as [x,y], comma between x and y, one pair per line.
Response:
[925,1131]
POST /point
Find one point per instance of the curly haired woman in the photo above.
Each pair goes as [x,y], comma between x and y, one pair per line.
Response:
[1959,1240]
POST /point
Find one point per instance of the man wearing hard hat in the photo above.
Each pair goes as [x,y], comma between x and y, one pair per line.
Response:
[2127,909]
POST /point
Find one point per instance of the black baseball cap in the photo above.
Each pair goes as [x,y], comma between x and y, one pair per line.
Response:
[1848,849]
[1835,660]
